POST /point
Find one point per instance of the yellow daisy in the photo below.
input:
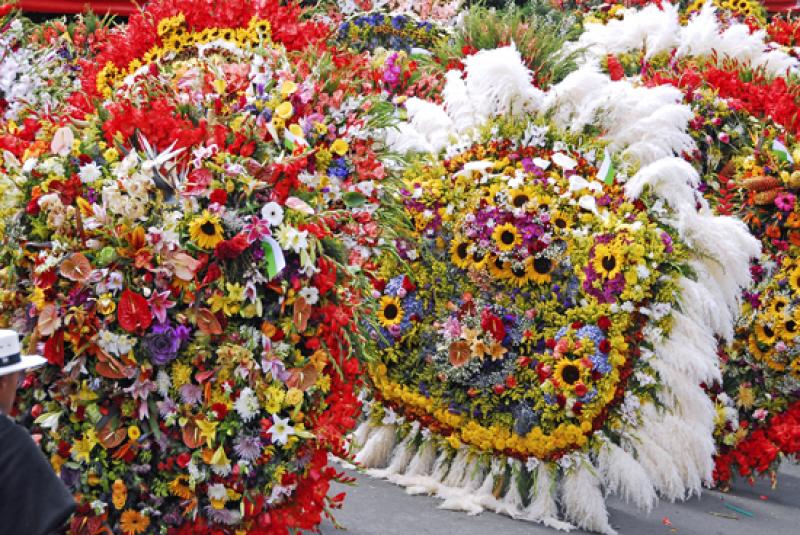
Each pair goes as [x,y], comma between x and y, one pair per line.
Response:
[205,230]
[506,237]
[390,312]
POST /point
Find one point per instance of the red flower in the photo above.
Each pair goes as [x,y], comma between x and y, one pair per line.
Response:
[219,196]
[232,248]
[133,312]
[54,349]
[615,70]
[494,325]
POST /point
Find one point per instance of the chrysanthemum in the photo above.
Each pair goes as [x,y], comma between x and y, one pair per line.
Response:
[506,237]
[247,404]
[132,522]
[206,231]
[607,261]
[390,311]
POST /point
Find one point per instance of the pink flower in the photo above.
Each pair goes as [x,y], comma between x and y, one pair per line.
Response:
[159,304]
[760,414]
[256,229]
[785,201]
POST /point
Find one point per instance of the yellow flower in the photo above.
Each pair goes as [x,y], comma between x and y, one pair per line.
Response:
[539,271]
[132,522]
[294,396]
[390,312]
[459,253]
[134,433]
[765,333]
[506,237]
[340,147]
[607,262]
[284,110]
[205,230]
[498,267]
[519,198]
[520,274]
[105,304]
[181,374]
[287,88]
[569,372]
[794,280]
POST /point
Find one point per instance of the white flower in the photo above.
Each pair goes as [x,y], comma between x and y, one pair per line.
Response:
[89,173]
[310,294]
[291,238]
[273,213]
[247,404]
[280,430]
[164,383]
[217,491]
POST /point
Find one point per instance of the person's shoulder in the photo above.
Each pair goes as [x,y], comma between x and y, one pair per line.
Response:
[10,430]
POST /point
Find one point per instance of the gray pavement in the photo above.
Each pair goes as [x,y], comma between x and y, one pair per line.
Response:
[376,507]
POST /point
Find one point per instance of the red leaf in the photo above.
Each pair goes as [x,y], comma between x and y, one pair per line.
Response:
[133,312]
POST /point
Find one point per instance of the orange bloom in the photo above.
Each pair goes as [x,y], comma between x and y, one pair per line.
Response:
[133,522]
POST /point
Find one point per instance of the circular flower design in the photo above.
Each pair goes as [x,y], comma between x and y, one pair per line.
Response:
[537,282]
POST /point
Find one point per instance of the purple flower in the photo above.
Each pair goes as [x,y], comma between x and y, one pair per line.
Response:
[248,448]
[191,394]
[162,344]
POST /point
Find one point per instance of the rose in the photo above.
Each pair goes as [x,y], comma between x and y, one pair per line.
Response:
[162,344]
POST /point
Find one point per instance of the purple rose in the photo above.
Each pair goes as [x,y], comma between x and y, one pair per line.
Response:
[162,344]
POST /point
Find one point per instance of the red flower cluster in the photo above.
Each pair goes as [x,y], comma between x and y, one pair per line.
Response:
[759,451]
[159,123]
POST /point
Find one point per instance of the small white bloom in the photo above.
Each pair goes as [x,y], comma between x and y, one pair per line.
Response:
[217,491]
[89,173]
[247,404]
[273,213]
[310,294]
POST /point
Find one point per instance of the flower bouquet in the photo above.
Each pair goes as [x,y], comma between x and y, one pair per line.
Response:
[186,250]
[543,332]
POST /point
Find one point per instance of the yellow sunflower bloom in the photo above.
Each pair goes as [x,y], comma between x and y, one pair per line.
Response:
[459,253]
[390,312]
[506,237]
[519,198]
[607,261]
[794,280]
[498,267]
[765,334]
[540,269]
[206,231]
[569,372]
[520,274]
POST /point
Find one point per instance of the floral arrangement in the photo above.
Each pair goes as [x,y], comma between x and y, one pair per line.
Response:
[393,32]
[188,257]
[536,317]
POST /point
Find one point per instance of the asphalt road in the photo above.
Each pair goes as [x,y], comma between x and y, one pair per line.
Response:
[376,507]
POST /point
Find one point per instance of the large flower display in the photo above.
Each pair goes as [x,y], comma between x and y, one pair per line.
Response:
[541,333]
[735,78]
[184,251]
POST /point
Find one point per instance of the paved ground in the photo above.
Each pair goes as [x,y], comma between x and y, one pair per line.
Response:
[376,507]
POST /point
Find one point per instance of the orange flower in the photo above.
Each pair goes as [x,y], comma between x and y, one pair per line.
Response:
[793,221]
[460,353]
[133,522]
[773,231]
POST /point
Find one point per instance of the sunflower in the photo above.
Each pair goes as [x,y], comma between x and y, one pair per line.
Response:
[498,267]
[765,334]
[779,302]
[459,253]
[390,313]
[794,280]
[559,221]
[569,371]
[607,262]
[519,198]
[477,259]
[205,230]
[789,328]
[132,522]
[506,237]
[520,274]
[540,269]
[794,368]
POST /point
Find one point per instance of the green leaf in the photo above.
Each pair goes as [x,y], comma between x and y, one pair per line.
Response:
[354,199]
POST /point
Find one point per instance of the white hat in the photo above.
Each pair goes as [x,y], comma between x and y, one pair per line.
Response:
[11,358]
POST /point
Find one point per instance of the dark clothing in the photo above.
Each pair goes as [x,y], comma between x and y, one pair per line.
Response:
[33,500]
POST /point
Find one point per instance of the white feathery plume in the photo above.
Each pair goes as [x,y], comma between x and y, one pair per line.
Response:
[624,476]
[378,448]
[583,500]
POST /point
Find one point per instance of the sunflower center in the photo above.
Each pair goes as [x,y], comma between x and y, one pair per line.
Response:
[461,250]
[390,311]
[520,200]
[518,271]
[542,265]
[508,237]
[561,223]
[477,256]
[768,331]
[608,263]
[570,374]
[790,326]
[208,228]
